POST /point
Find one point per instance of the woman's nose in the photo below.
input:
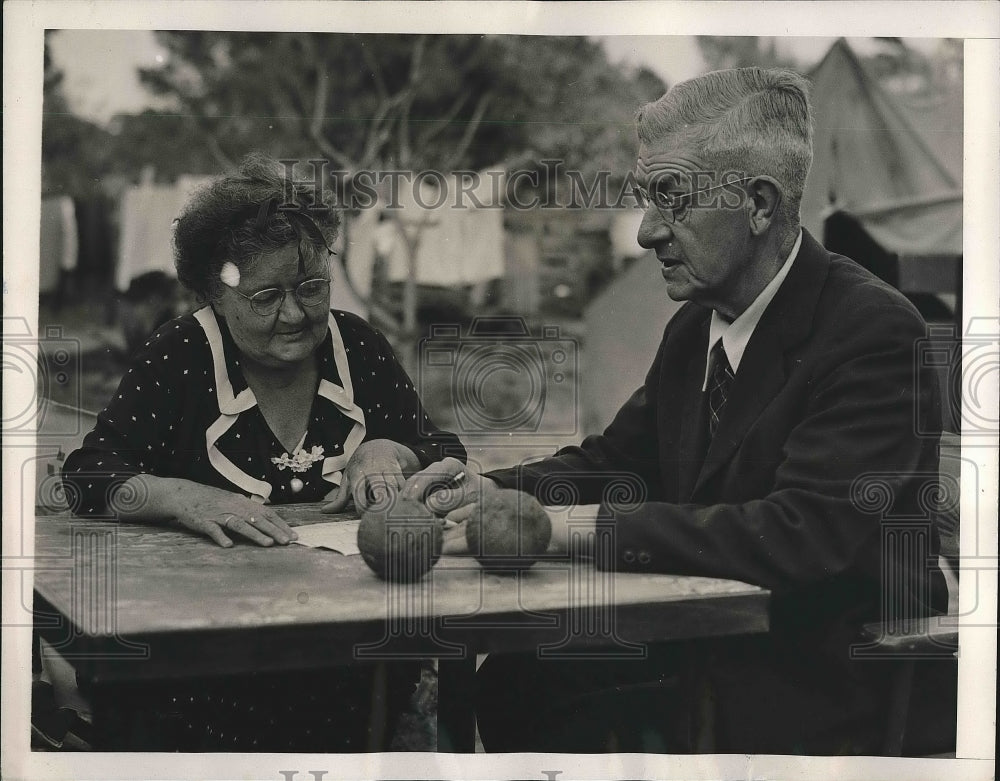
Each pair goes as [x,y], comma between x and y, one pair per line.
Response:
[291,310]
[653,229]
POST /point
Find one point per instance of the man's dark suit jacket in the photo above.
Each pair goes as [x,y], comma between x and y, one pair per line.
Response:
[819,428]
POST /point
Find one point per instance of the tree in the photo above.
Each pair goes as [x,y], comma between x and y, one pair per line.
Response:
[907,71]
[165,141]
[74,152]
[577,108]
[414,102]
[722,52]
[362,101]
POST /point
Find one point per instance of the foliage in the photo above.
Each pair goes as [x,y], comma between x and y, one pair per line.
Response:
[75,152]
[364,102]
[907,71]
[378,101]
[166,141]
[897,65]
[360,101]
[577,108]
[722,52]
[381,102]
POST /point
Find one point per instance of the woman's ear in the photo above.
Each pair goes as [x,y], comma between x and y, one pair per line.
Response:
[213,299]
[765,199]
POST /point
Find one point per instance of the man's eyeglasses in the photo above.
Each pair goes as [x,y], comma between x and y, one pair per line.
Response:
[675,207]
[312,292]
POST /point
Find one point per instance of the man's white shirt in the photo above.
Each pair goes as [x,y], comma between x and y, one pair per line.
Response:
[736,335]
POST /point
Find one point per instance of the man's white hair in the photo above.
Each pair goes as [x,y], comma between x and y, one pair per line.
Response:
[752,120]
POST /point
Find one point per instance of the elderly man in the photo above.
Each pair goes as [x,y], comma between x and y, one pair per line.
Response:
[787,376]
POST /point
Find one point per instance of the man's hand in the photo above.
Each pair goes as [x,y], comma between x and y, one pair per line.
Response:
[449,488]
[454,541]
[377,470]
[447,485]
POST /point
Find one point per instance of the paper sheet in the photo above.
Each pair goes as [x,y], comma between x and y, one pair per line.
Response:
[340,536]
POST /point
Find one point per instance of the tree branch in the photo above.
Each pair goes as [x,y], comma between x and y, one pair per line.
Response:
[470,131]
[221,157]
[376,70]
[417,60]
[377,134]
[204,125]
[428,135]
[416,65]
[318,117]
[403,132]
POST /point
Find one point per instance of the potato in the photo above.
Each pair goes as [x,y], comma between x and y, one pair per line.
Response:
[402,542]
[508,530]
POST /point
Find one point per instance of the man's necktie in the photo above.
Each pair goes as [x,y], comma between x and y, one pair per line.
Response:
[719,384]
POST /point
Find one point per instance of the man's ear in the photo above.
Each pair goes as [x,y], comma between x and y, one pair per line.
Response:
[765,198]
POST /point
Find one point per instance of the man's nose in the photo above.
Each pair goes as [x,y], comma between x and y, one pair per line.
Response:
[653,229]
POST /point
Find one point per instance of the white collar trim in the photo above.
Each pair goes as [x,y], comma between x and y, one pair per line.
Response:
[232,405]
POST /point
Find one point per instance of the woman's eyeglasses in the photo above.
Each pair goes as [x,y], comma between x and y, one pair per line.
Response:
[312,292]
[674,207]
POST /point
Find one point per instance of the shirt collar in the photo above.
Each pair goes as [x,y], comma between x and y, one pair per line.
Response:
[234,395]
[736,335]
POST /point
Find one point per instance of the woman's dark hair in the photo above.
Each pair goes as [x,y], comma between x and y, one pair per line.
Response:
[243,215]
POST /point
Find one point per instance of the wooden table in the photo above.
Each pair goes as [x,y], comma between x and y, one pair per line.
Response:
[126,602]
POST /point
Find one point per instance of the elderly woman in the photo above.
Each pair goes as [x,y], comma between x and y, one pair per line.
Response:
[262,397]
[265,396]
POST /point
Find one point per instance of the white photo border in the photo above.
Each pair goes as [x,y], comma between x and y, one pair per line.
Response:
[976,22]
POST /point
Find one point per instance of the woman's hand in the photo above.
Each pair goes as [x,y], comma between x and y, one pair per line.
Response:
[213,512]
[377,469]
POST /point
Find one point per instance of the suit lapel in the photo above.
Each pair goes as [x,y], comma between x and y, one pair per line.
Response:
[785,323]
[760,377]
[693,433]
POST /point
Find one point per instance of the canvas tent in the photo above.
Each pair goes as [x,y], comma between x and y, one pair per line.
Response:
[886,189]
[893,163]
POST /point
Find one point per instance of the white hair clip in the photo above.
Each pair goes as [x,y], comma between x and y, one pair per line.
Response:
[230,274]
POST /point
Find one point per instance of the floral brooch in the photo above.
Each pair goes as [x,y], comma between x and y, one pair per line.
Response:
[299,460]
